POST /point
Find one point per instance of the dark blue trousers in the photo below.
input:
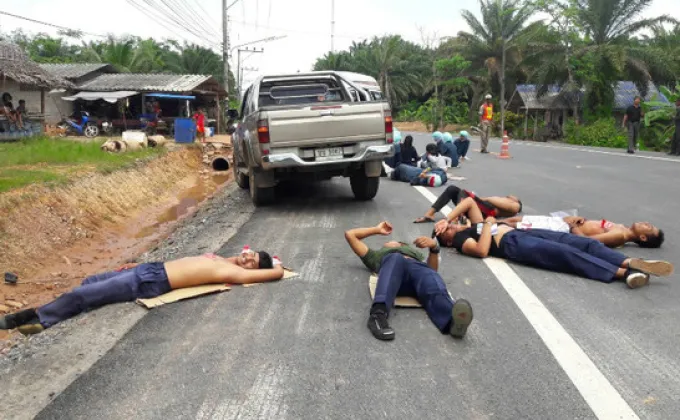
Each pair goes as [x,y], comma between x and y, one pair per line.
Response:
[562,252]
[395,160]
[401,276]
[462,146]
[144,281]
[405,173]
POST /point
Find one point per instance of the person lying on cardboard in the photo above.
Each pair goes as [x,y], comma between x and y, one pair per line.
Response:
[143,281]
[402,272]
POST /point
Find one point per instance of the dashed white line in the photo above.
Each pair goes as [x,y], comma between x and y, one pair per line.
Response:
[596,390]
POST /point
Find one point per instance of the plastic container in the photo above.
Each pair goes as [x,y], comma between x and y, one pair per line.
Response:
[185,130]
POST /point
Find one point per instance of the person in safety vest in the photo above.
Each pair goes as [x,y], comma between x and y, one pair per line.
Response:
[485,118]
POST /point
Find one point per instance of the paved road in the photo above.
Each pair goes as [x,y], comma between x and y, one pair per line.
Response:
[300,348]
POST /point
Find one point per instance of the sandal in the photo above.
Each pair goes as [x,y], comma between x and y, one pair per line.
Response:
[424,219]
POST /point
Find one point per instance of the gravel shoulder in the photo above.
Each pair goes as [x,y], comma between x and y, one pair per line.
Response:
[40,367]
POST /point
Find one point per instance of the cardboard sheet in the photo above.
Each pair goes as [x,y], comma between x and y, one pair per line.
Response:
[192,292]
[182,294]
[400,301]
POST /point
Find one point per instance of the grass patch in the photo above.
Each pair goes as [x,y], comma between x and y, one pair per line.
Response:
[52,160]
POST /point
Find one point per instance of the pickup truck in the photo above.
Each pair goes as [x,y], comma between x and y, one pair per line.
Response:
[309,126]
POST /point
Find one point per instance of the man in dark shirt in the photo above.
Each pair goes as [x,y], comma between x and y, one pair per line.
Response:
[401,272]
[555,251]
[675,143]
[632,119]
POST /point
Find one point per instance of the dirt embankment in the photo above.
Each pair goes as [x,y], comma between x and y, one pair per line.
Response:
[53,237]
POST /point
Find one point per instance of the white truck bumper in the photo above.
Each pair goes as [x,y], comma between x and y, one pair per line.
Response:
[291,160]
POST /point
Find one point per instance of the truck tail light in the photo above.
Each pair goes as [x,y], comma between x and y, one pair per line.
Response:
[389,135]
[263,132]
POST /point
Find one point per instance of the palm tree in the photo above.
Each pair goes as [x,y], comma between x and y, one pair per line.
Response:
[608,26]
[334,61]
[147,57]
[494,43]
[119,52]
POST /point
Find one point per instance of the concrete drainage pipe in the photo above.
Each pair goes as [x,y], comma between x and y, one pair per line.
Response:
[220,164]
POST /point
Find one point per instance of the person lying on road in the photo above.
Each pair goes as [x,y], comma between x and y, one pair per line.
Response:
[429,177]
[555,251]
[614,235]
[401,272]
[490,206]
[144,281]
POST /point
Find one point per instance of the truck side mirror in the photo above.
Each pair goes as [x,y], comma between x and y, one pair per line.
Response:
[232,113]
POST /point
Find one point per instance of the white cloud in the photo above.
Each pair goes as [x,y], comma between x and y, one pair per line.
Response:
[306,23]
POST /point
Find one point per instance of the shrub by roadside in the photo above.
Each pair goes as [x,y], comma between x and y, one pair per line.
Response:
[602,133]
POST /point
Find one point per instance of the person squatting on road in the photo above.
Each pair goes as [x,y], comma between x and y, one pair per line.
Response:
[613,235]
[462,144]
[554,251]
[490,206]
[144,281]
[402,272]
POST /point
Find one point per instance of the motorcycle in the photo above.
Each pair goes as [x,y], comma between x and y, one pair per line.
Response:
[85,127]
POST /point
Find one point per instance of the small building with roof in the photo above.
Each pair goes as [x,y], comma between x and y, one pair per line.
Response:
[553,107]
[24,79]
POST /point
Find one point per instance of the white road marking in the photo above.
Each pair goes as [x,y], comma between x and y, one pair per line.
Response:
[604,152]
[598,392]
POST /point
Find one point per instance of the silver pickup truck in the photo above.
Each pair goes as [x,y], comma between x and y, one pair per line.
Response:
[309,126]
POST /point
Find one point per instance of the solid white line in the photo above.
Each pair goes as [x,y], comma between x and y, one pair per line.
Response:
[599,393]
[604,152]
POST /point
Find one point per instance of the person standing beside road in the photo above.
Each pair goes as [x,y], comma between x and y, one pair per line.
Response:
[675,142]
[199,117]
[631,121]
[485,119]
[402,272]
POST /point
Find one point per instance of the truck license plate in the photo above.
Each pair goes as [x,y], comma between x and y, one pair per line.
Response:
[328,154]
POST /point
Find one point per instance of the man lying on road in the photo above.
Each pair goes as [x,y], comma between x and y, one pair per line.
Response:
[401,272]
[555,251]
[614,235]
[490,206]
[144,281]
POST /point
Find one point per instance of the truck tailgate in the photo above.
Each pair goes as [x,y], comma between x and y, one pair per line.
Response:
[326,124]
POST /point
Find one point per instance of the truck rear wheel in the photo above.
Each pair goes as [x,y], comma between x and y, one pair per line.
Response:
[241,179]
[364,187]
[260,196]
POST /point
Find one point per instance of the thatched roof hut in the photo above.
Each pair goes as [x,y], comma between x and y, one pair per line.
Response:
[15,65]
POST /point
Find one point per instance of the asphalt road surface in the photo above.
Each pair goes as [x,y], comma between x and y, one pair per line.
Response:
[542,345]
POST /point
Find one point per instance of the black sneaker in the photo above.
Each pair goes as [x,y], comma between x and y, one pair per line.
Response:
[380,328]
[635,279]
[462,318]
[25,321]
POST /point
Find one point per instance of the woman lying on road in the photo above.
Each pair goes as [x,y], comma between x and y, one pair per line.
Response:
[555,251]
[144,281]
[490,206]
[614,235]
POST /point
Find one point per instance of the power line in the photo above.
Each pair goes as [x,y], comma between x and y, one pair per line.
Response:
[214,22]
[347,36]
[178,20]
[63,28]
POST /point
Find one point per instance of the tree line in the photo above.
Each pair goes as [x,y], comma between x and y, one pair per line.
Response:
[582,46]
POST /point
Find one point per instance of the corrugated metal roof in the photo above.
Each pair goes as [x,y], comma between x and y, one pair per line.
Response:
[145,82]
[624,94]
[74,71]
[627,91]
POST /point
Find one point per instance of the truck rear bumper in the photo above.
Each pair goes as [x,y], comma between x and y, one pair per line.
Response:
[291,160]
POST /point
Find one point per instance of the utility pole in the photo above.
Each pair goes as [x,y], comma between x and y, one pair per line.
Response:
[239,71]
[225,47]
[332,26]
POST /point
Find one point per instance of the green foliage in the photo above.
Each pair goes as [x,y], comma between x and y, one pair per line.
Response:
[514,123]
[660,119]
[602,133]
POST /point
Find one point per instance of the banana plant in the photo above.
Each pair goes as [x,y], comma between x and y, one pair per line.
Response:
[660,116]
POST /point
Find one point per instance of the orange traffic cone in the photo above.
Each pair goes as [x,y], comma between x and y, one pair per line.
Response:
[505,147]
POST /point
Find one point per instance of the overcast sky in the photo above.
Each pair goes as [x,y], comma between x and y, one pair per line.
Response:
[305,23]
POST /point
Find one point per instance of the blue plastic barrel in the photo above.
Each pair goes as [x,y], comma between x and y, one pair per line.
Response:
[185,130]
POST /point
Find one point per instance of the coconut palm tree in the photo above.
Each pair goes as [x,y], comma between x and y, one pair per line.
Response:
[608,26]
[494,42]
[147,57]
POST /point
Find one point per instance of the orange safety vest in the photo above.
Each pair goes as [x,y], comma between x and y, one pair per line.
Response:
[488,113]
